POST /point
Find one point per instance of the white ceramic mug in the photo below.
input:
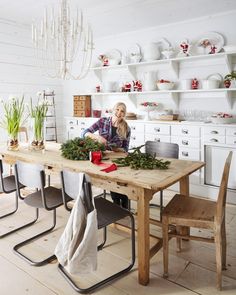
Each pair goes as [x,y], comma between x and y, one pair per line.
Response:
[186,84]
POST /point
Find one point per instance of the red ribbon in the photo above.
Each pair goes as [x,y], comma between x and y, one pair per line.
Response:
[96,158]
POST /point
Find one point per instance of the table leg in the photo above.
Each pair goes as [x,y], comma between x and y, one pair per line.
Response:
[143,238]
[184,190]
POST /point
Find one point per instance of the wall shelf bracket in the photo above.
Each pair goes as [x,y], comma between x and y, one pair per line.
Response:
[175,98]
[228,61]
[175,68]
[132,71]
[98,74]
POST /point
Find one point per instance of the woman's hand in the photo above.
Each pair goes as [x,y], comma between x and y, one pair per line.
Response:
[101,139]
[97,137]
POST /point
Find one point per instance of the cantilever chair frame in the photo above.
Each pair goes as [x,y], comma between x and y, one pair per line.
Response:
[8,185]
[38,199]
[100,203]
[187,211]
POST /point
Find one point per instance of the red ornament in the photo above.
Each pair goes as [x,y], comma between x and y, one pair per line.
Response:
[195,83]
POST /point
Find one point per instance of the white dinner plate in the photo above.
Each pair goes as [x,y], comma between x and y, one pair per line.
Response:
[214,38]
[114,54]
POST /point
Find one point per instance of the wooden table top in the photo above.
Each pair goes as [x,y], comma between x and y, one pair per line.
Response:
[149,179]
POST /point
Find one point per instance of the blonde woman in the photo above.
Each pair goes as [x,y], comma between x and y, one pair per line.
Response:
[114,132]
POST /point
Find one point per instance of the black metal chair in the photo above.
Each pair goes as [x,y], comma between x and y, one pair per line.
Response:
[49,198]
[107,213]
[165,150]
[70,189]
[8,186]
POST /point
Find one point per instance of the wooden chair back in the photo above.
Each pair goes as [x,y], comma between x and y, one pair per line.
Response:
[221,200]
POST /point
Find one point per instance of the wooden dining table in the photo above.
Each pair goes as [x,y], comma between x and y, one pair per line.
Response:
[138,185]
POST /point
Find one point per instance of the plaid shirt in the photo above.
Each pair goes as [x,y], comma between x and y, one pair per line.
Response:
[104,127]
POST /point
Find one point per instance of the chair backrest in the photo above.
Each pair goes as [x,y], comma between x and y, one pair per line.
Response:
[71,185]
[221,200]
[162,149]
[31,175]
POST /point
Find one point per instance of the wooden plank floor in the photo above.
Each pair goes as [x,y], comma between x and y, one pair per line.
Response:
[191,272]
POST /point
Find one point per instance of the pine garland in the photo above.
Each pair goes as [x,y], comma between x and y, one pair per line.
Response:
[138,160]
[79,148]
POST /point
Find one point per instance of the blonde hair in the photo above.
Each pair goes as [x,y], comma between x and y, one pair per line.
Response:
[122,128]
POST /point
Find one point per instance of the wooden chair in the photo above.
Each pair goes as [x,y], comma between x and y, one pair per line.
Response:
[161,149]
[199,213]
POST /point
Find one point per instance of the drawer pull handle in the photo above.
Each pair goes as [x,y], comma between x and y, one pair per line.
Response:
[214,140]
[157,139]
[72,127]
[185,131]
[82,129]
[82,123]
[234,133]
[214,132]
[185,142]
[185,154]
[235,141]
[133,137]
[71,122]
[157,129]
[133,127]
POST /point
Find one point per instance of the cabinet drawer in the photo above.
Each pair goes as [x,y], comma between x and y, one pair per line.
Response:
[81,105]
[157,137]
[231,131]
[71,122]
[136,127]
[214,130]
[231,140]
[214,138]
[157,129]
[183,130]
[189,154]
[191,142]
[137,136]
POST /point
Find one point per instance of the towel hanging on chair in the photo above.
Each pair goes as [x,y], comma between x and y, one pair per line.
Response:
[77,247]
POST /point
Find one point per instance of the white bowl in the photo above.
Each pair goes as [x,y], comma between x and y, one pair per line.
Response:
[210,84]
[165,85]
[216,120]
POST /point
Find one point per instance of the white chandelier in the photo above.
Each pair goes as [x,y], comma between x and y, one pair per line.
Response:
[61,42]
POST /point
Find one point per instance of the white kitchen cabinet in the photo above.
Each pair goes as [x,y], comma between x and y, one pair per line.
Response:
[157,132]
[215,157]
[75,126]
[137,134]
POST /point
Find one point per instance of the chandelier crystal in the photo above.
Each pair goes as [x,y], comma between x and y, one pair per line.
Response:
[63,44]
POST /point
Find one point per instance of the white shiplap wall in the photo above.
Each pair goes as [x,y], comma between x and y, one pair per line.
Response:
[19,73]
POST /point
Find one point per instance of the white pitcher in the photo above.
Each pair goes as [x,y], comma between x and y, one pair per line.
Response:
[151,51]
[149,81]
